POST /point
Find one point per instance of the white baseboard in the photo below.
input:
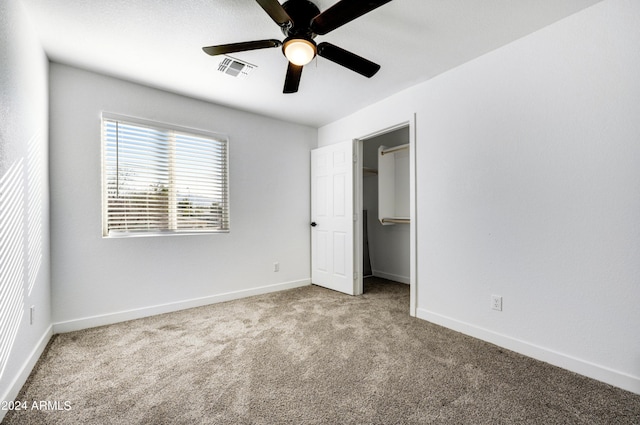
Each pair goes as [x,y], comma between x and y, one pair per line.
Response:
[24,372]
[394,277]
[574,364]
[122,316]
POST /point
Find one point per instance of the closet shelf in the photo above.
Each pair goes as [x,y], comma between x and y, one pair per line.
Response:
[366,172]
[399,220]
[386,151]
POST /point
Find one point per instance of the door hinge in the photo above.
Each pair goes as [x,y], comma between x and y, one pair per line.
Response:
[355,275]
[355,217]
[355,158]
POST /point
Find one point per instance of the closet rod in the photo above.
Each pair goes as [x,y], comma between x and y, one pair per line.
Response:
[396,220]
[395,149]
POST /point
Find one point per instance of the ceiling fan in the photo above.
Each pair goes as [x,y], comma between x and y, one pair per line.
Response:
[301,21]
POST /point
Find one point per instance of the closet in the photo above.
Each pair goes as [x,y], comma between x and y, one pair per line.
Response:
[385,198]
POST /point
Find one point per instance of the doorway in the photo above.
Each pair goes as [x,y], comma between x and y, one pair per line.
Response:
[385,241]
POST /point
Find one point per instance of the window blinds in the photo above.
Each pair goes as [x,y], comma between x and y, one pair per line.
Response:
[163,180]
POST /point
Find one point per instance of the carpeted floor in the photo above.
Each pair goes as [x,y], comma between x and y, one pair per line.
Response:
[305,356]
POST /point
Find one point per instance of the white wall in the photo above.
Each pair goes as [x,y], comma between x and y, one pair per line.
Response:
[24,200]
[528,178]
[98,280]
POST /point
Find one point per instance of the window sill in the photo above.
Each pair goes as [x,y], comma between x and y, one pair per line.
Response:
[121,235]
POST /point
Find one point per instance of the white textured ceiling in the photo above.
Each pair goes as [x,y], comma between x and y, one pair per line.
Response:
[158,43]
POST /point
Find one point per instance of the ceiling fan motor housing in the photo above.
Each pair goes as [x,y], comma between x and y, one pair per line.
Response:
[301,13]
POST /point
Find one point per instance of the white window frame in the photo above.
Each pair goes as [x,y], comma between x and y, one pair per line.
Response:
[173,201]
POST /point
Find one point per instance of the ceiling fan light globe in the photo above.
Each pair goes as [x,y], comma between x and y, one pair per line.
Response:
[299,51]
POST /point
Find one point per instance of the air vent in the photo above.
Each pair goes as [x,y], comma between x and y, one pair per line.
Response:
[235,68]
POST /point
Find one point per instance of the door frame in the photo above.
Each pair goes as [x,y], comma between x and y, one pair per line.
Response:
[358,202]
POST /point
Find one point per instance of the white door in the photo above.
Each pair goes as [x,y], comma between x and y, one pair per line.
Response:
[332,217]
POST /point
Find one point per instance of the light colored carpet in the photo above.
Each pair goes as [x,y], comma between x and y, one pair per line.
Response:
[306,356]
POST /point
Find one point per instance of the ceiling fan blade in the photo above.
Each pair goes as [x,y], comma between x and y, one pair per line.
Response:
[276,11]
[292,80]
[343,12]
[347,59]
[223,49]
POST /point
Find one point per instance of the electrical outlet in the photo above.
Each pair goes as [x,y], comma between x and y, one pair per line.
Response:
[496,302]
[32,314]
[276,267]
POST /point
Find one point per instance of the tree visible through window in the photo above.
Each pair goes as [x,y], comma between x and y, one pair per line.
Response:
[158,179]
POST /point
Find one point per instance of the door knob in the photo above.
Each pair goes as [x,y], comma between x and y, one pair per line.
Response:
[314,224]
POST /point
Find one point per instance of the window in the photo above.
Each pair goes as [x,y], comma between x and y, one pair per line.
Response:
[162,180]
